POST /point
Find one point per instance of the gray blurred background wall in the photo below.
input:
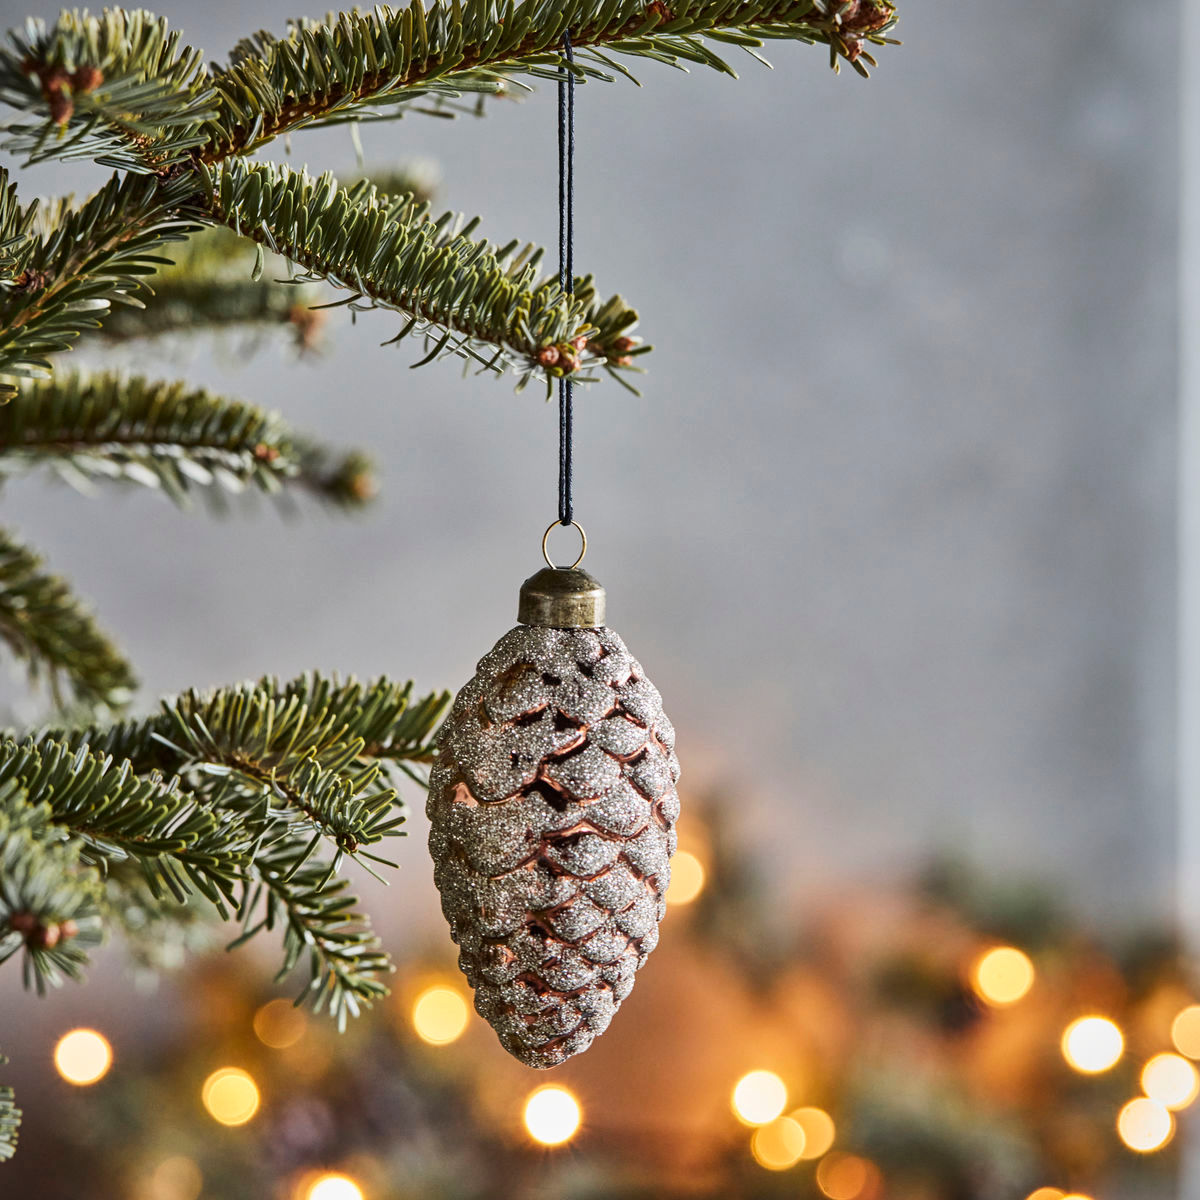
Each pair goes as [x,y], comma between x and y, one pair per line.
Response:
[893,525]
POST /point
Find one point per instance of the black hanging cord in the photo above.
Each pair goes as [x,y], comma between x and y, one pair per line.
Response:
[566,270]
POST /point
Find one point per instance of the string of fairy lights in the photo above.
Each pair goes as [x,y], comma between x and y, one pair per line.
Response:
[782,1135]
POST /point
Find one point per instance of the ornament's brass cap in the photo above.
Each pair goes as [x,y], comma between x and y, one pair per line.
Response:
[561,598]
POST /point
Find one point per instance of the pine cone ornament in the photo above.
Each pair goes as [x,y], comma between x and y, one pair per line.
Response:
[552,807]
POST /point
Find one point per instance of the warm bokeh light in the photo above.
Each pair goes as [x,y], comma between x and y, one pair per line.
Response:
[83,1056]
[778,1145]
[818,1129]
[1092,1044]
[1047,1193]
[759,1097]
[230,1095]
[1144,1125]
[687,878]
[279,1024]
[1171,1080]
[332,1187]
[439,1015]
[1185,1031]
[1002,975]
[847,1177]
[552,1115]
[175,1178]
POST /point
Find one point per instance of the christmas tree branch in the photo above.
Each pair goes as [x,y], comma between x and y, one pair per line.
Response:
[300,761]
[167,436]
[121,88]
[49,904]
[329,71]
[118,816]
[98,814]
[48,629]
[486,303]
[118,88]
[213,286]
[213,282]
[275,726]
[95,256]
[345,958]
[227,794]
[16,230]
[465,296]
[217,281]
[10,1119]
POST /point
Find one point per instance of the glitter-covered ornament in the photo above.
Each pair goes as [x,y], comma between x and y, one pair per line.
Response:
[552,807]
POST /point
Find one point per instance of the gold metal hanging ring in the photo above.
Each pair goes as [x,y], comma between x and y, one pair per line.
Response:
[582,548]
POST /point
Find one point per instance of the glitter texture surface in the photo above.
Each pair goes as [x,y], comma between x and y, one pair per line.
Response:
[552,807]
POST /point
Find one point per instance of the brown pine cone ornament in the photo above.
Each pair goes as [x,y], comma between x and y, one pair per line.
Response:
[552,808]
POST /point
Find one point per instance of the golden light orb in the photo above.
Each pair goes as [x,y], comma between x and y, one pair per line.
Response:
[332,1187]
[279,1024]
[778,1145]
[1047,1193]
[1092,1044]
[1002,975]
[552,1115]
[759,1097]
[440,1015]
[83,1057]
[1171,1080]
[687,878]
[819,1130]
[847,1177]
[230,1095]
[1144,1125]
[176,1178]
[1185,1031]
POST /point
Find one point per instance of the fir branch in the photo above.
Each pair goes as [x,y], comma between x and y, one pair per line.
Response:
[118,88]
[10,1119]
[256,776]
[346,961]
[167,436]
[322,715]
[292,764]
[49,905]
[467,298]
[191,305]
[344,479]
[463,296]
[48,629]
[217,282]
[221,281]
[484,303]
[301,761]
[16,226]
[327,71]
[293,741]
[116,815]
[302,802]
[95,256]
[236,837]
[97,813]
